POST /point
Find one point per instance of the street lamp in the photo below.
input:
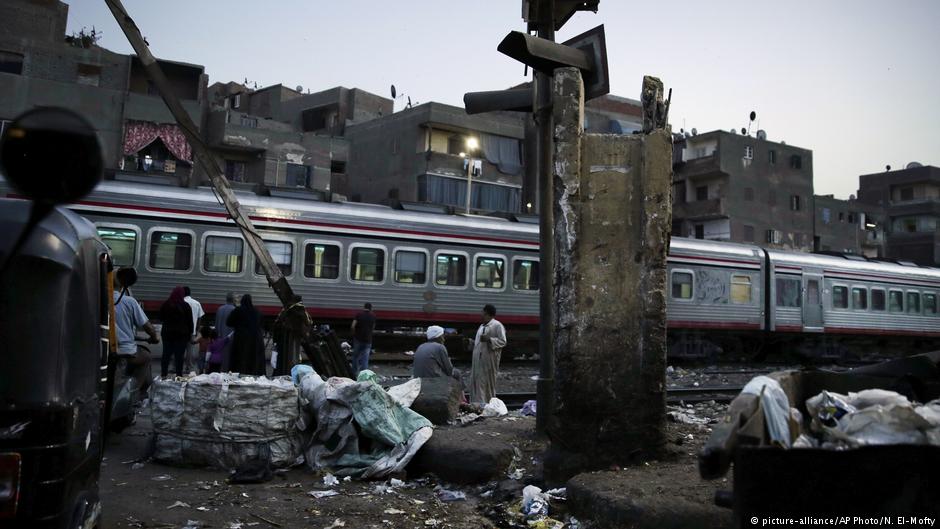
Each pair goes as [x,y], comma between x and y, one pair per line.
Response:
[472,145]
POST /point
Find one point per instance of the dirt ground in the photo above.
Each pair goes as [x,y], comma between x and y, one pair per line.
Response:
[138,493]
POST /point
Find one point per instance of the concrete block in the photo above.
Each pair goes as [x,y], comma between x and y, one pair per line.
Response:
[439,400]
[459,455]
[612,501]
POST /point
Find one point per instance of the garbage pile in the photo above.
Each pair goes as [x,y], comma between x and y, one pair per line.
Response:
[841,421]
[224,420]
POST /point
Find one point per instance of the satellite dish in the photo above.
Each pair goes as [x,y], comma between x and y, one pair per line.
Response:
[299,88]
[394,93]
[743,131]
[694,131]
[913,165]
[887,168]
[682,131]
[761,134]
[753,115]
[734,131]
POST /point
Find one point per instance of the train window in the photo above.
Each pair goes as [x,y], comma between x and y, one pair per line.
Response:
[788,292]
[321,261]
[740,289]
[122,242]
[913,302]
[840,297]
[450,270]
[283,254]
[859,298]
[367,264]
[490,272]
[895,301]
[223,254]
[877,299]
[930,304]
[170,250]
[410,267]
[682,285]
[525,274]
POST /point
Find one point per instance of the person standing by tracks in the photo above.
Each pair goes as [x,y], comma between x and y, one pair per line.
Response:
[487,348]
[247,346]
[221,316]
[177,330]
[362,327]
[193,361]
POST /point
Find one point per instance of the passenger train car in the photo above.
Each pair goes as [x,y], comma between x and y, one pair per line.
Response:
[420,268]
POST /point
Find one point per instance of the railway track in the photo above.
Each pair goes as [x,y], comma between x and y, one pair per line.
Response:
[673,395]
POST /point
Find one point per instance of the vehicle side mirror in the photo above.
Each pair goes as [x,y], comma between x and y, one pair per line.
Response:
[51,155]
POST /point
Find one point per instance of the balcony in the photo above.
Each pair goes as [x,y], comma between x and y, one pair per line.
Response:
[143,107]
[240,131]
[704,166]
[713,208]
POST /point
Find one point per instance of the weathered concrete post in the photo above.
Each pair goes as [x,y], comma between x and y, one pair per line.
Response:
[612,219]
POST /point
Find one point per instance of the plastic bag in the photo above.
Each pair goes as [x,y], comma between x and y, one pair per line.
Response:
[776,407]
[495,408]
[529,408]
[534,502]
[405,394]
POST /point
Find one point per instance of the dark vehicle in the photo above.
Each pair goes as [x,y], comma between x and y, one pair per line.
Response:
[54,333]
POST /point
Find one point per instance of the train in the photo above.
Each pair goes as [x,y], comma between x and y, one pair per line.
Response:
[420,267]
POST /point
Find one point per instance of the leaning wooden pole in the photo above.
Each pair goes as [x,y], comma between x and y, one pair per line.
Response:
[294,315]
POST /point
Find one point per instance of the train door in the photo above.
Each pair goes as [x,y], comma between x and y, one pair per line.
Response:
[812,302]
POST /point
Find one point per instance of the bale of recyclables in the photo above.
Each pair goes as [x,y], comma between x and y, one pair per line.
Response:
[222,420]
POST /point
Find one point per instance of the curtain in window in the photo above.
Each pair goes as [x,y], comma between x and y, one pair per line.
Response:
[453,192]
[502,152]
[139,134]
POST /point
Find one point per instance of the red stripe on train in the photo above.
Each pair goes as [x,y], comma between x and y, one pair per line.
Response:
[155,209]
[712,325]
[889,332]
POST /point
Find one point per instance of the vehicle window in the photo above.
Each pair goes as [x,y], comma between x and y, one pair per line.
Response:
[525,274]
[840,297]
[170,250]
[283,254]
[740,289]
[877,299]
[895,301]
[682,285]
[450,270]
[223,254]
[489,272]
[812,292]
[122,242]
[321,261]
[930,304]
[788,292]
[367,264]
[913,302]
[410,267]
[859,298]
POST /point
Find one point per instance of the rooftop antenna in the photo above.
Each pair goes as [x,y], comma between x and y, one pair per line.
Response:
[396,96]
[753,116]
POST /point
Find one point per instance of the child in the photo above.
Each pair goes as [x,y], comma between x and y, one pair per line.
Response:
[204,339]
[214,356]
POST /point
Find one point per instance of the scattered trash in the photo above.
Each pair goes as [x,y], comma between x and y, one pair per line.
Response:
[534,502]
[336,523]
[409,353]
[559,494]
[529,408]
[330,480]
[347,479]
[495,408]
[685,417]
[318,494]
[670,369]
[871,417]
[137,466]
[516,474]
[431,522]
[406,393]
[203,509]
[395,482]
[393,511]
[162,477]
[193,524]
[776,407]
[178,504]
[546,523]
[449,495]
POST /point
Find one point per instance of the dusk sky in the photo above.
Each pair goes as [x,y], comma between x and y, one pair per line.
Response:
[855,81]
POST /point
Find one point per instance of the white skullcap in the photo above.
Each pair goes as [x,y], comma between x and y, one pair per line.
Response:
[435,331]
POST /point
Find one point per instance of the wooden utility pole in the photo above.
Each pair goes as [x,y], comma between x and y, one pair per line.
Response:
[294,316]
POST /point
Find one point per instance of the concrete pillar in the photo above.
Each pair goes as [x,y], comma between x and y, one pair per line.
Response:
[612,221]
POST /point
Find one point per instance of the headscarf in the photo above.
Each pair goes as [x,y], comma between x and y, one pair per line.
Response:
[434,332]
[177,296]
[250,314]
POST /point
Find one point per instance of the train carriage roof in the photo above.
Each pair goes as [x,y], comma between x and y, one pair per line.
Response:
[849,265]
